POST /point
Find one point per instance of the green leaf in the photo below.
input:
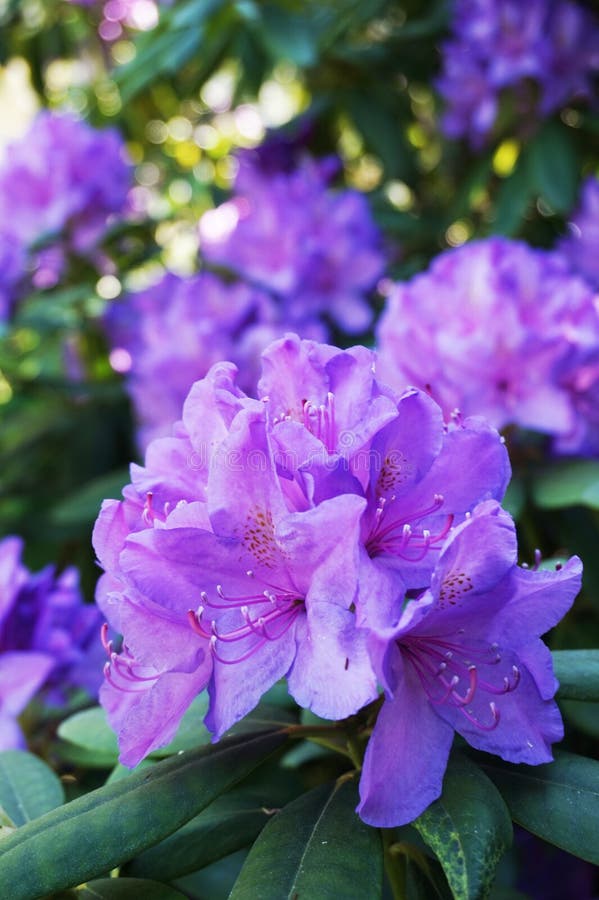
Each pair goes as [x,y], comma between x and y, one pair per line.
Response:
[122,889]
[554,166]
[582,715]
[28,787]
[83,506]
[93,742]
[512,199]
[287,36]
[559,801]
[568,484]
[90,730]
[315,847]
[578,674]
[94,833]
[165,49]
[230,823]
[468,828]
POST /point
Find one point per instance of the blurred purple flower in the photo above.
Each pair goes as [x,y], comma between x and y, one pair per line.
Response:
[581,246]
[12,270]
[498,329]
[465,656]
[315,249]
[63,179]
[48,639]
[168,336]
[544,52]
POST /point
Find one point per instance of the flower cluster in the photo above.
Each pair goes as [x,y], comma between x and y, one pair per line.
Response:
[62,181]
[340,535]
[498,329]
[48,639]
[168,336]
[316,250]
[545,53]
[581,246]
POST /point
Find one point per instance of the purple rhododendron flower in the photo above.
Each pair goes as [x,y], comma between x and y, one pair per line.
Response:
[48,639]
[63,178]
[544,52]
[168,336]
[315,249]
[498,329]
[581,246]
[244,549]
[465,656]
[12,270]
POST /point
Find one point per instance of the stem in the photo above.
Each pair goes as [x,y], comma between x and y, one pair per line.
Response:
[395,864]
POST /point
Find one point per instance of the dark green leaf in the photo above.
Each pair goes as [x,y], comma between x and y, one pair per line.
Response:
[28,788]
[468,828]
[578,674]
[122,889]
[559,801]
[582,715]
[512,199]
[287,36]
[89,836]
[315,847]
[230,823]
[568,484]
[554,166]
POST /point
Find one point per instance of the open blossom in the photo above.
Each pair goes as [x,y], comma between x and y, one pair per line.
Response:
[465,656]
[48,639]
[497,329]
[315,249]
[168,336]
[581,246]
[243,549]
[63,178]
[545,53]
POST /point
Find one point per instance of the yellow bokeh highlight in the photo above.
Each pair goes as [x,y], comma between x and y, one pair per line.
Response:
[187,154]
[505,158]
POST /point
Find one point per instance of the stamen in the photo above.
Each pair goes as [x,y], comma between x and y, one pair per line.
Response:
[104,638]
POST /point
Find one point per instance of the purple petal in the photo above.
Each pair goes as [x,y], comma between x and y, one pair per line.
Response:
[332,674]
[236,687]
[148,718]
[405,759]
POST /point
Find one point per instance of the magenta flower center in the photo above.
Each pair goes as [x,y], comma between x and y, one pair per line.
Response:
[395,533]
[264,615]
[456,673]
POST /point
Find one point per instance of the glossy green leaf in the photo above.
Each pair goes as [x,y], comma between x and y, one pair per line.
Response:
[468,828]
[28,787]
[569,483]
[122,889]
[100,830]
[554,166]
[230,823]
[559,801]
[578,674]
[315,847]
